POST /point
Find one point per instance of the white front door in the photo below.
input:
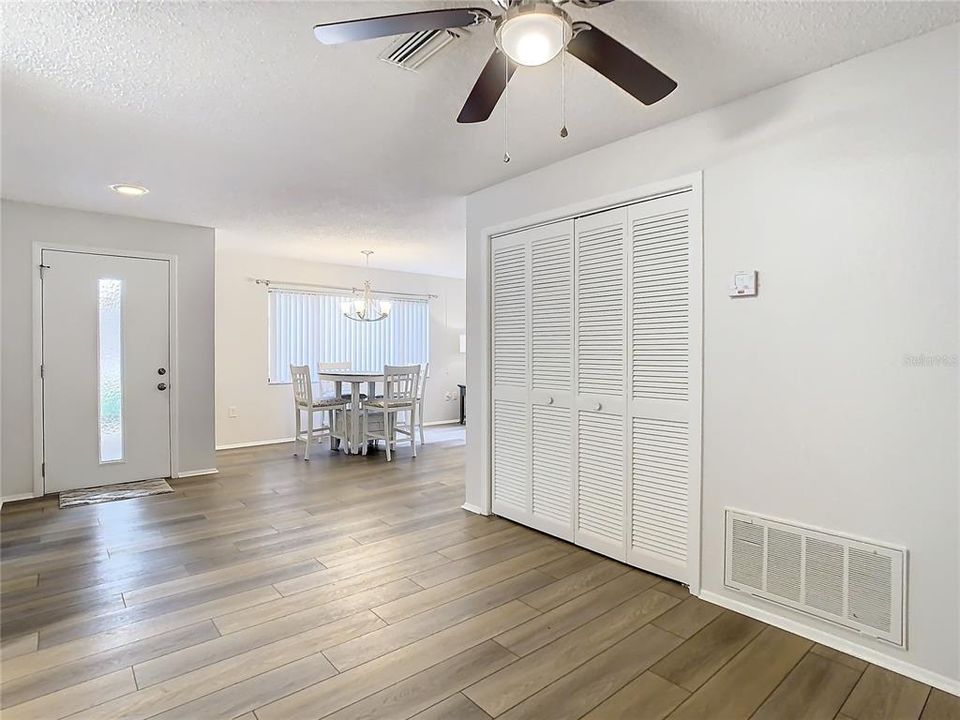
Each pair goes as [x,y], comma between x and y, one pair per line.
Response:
[106,369]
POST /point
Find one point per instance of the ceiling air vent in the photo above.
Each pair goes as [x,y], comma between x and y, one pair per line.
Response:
[412,51]
[859,584]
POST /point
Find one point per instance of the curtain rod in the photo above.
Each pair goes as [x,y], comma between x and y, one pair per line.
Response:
[282,283]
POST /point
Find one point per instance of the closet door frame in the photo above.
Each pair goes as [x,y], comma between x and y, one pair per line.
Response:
[483,404]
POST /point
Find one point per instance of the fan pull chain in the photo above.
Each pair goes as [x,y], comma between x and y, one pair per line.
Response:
[506,108]
[563,89]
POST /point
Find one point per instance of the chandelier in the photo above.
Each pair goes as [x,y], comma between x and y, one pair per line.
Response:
[364,308]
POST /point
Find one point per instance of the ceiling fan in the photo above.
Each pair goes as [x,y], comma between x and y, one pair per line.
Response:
[528,32]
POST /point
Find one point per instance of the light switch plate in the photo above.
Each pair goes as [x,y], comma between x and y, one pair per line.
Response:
[744,284]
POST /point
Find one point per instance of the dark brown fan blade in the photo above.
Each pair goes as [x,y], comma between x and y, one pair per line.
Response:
[487,90]
[350,30]
[620,65]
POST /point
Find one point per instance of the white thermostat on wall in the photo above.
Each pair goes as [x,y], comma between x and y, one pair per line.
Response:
[744,283]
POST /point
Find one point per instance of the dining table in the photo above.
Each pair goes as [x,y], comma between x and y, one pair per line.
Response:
[355,378]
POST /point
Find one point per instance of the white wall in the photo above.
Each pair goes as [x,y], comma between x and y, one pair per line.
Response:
[264,412]
[841,189]
[21,225]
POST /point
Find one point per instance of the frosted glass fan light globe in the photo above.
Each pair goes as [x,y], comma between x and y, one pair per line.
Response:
[533,38]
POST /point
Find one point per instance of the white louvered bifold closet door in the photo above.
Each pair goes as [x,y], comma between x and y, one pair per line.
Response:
[601,331]
[596,381]
[510,345]
[664,384]
[551,377]
[533,373]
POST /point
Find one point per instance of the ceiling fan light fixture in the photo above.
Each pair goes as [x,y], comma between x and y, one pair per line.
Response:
[533,34]
[529,32]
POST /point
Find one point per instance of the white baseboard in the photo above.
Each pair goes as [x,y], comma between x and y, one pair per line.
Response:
[770,617]
[14,498]
[473,508]
[255,443]
[278,441]
[196,473]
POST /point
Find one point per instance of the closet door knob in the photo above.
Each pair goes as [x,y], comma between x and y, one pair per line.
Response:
[549,401]
[597,405]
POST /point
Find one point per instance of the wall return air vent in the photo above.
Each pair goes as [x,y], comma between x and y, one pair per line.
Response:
[855,583]
[412,51]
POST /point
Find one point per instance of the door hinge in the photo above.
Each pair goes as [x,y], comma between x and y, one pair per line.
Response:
[42,268]
[43,469]
[41,372]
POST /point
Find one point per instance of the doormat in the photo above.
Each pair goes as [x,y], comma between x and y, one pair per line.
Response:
[109,493]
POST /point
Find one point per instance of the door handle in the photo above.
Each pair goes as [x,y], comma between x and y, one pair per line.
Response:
[161,386]
[549,401]
[161,371]
[596,406]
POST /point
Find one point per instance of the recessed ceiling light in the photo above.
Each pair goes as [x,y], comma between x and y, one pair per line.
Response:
[132,190]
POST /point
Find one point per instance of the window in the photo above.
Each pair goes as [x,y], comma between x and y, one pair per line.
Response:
[307,328]
[110,356]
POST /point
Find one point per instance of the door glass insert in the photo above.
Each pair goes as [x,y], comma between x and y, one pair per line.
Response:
[110,354]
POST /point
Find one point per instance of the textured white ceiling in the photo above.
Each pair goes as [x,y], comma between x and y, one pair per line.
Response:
[236,118]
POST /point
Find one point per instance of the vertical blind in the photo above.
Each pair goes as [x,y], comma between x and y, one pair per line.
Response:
[307,328]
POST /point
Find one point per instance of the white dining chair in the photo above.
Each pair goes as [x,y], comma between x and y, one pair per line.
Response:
[424,371]
[420,392]
[400,385]
[304,402]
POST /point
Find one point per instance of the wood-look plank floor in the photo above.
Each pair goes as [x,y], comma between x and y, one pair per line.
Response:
[347,587]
